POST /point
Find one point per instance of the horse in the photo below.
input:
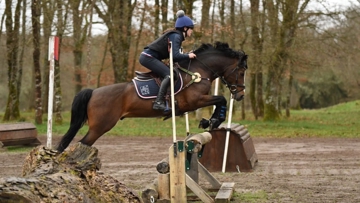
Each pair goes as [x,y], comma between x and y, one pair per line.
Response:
[103,107]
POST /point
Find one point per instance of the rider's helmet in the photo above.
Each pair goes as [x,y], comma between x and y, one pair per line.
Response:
[183,21]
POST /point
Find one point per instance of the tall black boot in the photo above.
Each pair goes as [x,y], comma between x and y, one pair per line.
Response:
[159,103]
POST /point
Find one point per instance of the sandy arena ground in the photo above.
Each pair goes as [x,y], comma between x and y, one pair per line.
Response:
[288,169]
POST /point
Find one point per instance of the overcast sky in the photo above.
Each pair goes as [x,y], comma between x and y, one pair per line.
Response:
[330,4]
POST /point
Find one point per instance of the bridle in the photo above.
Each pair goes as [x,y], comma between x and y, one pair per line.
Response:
[232,87]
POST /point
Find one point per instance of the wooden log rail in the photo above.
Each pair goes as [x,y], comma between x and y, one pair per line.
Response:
[159,190]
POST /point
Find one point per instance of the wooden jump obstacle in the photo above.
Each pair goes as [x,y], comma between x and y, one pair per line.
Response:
[180,173]
[12,134]
[241,151]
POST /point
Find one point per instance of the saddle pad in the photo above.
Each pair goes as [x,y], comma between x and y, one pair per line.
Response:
[148,89]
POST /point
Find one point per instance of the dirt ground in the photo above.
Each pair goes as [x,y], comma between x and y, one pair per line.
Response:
[288,170]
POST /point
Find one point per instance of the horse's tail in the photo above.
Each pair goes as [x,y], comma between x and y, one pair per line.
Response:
[78,117]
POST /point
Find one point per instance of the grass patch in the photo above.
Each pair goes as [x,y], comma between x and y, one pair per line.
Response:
[18,149]
[337,121]
[251,197]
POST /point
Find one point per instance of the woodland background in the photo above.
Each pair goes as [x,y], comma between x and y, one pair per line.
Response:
[302,53]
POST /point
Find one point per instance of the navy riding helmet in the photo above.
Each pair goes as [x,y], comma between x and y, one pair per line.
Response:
[183,21]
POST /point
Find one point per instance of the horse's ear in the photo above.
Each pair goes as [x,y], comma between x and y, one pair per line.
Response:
[244,58]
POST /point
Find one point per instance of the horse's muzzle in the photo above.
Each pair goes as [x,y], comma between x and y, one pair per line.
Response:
[239,97]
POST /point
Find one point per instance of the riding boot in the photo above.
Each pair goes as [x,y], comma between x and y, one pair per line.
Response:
[159,103]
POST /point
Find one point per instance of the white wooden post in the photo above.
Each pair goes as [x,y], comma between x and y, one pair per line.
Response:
[227,134]
[172,92]
[52,56]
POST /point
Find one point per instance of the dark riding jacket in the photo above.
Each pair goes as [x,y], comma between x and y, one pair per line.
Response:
[159,48]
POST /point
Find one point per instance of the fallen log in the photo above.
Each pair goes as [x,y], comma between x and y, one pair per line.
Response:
[198,141]
[71,176]
[163,166]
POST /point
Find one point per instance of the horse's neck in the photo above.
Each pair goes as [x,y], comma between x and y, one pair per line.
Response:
[208,67]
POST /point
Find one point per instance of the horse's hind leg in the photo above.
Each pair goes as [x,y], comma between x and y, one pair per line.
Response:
[99,125]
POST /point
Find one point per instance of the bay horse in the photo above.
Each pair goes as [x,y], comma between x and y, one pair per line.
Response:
[103,107]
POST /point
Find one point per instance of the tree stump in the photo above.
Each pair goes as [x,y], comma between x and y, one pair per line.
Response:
[71,176]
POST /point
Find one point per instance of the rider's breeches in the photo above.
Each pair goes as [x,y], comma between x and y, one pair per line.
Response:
[154,64]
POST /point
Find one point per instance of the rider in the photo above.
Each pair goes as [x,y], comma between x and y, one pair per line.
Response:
[159,49]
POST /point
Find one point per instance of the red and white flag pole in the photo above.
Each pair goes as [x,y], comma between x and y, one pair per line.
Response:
[52,56]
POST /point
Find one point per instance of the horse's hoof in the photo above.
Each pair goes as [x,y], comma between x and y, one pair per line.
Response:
[204,123]
[214,123]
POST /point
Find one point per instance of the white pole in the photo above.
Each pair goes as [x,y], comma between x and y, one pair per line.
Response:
[187,123]
[186,113]
[51,90]
[216,89]
[172,92]
[228,133]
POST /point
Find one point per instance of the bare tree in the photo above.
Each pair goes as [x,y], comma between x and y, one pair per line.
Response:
[117,17]
[213,21]
[48,7]
[137,39]
[35,19]
[164,13]
[205,22]
[12,111]
[157,19]
[22,47]
[188,6]
[60,28]
[284,33]
[255,92]
[78,8]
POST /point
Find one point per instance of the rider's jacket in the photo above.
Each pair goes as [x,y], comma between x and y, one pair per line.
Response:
[160,46]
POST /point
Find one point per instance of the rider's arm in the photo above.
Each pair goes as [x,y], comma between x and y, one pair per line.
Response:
[176,45]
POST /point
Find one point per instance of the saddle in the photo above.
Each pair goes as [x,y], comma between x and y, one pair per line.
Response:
[147,84]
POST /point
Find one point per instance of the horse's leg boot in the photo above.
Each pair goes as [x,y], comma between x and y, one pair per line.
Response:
[159,103]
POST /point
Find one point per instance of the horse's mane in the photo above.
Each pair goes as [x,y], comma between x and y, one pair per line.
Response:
[218,46]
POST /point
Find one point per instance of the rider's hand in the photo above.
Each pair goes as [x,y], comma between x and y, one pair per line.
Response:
[192,55]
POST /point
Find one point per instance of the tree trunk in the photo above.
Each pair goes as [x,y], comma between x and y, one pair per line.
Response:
[255,42]
[35,18]
[164,14]
[118,20]
[157,19]
[270,110]
[79,37]
[48,9]
[68,177]
[204,26]
[57,82]
[137,38]
[22,48]
[12,111]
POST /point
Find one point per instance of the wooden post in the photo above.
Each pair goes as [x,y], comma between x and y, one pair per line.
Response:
[164,186]
[177,173]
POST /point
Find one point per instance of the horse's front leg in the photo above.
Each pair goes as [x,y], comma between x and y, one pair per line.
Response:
[218,116]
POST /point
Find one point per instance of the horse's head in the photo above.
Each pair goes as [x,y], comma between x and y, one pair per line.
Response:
[234,77]
[227,64]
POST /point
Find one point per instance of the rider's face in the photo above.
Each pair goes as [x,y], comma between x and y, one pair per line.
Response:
[189,32]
